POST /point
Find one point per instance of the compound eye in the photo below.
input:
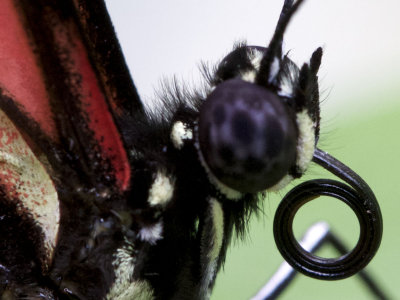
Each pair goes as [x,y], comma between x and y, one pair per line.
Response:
[247,136]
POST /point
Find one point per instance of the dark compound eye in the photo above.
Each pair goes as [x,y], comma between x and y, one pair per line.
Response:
[247,136]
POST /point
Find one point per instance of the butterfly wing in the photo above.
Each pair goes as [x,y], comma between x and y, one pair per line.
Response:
[65,92]
[65,79]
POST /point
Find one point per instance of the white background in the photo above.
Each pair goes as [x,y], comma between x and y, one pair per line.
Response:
[360,69]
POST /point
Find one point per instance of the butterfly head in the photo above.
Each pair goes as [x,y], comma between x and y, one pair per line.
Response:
[258,127]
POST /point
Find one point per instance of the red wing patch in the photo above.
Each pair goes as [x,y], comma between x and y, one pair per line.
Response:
[48,72]
[20,76]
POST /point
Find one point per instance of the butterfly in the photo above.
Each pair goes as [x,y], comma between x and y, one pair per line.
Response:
[102,199]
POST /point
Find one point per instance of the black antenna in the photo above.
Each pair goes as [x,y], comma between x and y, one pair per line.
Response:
[285,10]
[275,46]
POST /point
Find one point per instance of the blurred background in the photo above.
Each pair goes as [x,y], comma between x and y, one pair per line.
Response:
[360,93]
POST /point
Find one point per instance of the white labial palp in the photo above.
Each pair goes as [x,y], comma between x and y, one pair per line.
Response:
[306,140]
